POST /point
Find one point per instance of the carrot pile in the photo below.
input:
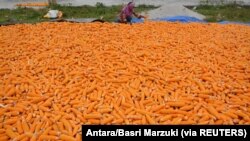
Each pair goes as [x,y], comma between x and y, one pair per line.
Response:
[54,77]
[37,4]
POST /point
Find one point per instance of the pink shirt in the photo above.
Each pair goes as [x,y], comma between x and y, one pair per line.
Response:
[128,10]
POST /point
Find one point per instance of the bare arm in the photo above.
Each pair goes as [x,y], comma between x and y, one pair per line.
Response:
[138,16]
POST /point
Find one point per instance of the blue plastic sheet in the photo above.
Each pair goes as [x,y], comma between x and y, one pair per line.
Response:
[136,20]
[184,19]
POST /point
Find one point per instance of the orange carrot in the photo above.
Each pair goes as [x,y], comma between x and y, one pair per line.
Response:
[25,126]
[94,121]
[214,112]
[150,119]
[92,116]
[176,104]
[4,138]
[107,120]
[106,110]
[241,114]
[10,121]
[48,137]
[66,124]
[66,138]
[117,121]
[11,134]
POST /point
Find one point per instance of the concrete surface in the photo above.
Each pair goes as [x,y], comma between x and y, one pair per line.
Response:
[167,7]
[169,10]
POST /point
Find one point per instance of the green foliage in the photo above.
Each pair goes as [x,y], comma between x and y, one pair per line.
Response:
[229,12]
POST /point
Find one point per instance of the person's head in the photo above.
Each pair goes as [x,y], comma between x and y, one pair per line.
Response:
[132,3]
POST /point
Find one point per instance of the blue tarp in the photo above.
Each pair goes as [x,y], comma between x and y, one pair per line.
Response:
[136,20]
[185,19]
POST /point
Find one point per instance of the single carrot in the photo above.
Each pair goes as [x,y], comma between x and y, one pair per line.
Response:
[81,118]
[219,122]
[60,126]
[57,118]
[76,112]
[204,118]
[67,125]
[55,127]
[4,138]
[241,114]
[172,111]
[54,133]
[78,137]
[47,102]
[29,116]
[134,117]
[118,102]
[38,127]
[14,113]
[117,121]
[150,119]
[2,131]
[176,104]
[213,111]
[76,129]
[33,126]
[188,122]
[11,92]
[165,118]
[91,107]
[25,125]
[11,121]
[119,111]
[66,138]
[156,108]
[11,134]
[107,120]
[91,88]
[94,121]
[47,130]
[144,112]
[92,116]
[48,137]
[106,110]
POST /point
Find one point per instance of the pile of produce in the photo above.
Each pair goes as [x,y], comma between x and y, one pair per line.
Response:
[55,77]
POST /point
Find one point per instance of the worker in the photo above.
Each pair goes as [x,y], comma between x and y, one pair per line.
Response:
[127,12]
